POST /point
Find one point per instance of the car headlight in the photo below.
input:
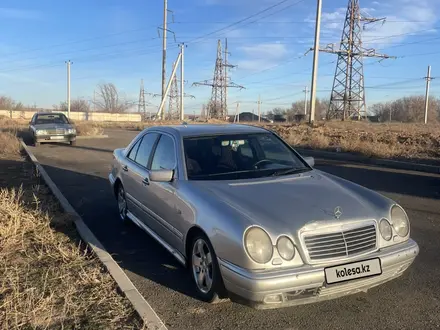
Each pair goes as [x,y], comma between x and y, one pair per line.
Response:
[71,131]
[385,229]
[286,248]
[400,221]
[41,132]
[258,245]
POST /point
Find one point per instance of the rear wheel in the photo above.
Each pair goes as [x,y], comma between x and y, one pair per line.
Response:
[205,270]
[122,203]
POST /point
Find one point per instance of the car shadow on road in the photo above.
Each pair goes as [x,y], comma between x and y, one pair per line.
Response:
[60,144]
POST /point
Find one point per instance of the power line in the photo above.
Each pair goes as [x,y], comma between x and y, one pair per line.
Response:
[89,59]
[288,22]
[83,50]
[243,20]
[76,41]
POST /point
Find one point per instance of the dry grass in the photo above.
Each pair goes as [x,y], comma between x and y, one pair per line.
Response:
[88,129]
[9,145]
[48,278]
[396,140]
[12,125]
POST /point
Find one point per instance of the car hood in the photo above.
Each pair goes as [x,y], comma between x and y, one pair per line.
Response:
[53,126]
[289,203]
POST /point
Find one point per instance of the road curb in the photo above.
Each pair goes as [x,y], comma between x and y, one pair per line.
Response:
[89,137]
[146,312]
[372,161]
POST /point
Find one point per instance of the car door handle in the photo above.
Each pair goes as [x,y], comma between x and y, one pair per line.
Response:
[125,168]
[146,182]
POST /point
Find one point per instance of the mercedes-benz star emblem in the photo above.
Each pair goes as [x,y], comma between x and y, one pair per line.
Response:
[338,212]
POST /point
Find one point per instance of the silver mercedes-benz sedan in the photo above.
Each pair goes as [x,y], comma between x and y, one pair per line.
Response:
[51,127]
[249,216]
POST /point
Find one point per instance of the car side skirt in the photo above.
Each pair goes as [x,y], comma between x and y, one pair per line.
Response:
[168,247]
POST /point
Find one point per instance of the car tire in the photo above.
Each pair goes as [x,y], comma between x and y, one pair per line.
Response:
[73,143]
[204,270]
[122,203]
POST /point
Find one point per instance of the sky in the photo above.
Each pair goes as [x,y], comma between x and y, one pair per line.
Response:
[120,42]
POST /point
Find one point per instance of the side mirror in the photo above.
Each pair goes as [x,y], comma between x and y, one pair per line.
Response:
[161,175]
[310,161]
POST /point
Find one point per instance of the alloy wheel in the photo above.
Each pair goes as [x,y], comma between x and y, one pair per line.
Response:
[202,266]
[122,203]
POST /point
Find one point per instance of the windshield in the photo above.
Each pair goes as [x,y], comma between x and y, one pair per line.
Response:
[51,119]
[244,156]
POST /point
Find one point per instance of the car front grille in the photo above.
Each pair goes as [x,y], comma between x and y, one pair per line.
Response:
[55,131]
[341,244]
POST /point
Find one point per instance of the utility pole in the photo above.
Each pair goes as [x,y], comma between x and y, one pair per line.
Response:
[226,77]
[428,82]
[259,111]
[237,113]
[305,100]
[94,100]
[164,47]
[182,111]
[160,112]
[315,62]
[68,88]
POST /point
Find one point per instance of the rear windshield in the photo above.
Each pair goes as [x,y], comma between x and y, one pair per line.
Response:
[51,119]
[243,156]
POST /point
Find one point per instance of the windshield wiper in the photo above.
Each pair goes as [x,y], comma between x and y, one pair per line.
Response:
[288,171]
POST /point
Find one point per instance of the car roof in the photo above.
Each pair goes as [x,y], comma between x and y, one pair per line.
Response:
[50,113]
[188,130]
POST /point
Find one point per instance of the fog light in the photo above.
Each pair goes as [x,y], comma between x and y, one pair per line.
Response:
[385,229]
[273,298]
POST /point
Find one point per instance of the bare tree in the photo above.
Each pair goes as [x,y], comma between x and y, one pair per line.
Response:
[77,105]
[6,103]
[276,112]
[108,99]
[407,109]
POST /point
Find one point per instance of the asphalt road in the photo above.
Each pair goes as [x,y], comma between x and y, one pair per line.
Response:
[410,302]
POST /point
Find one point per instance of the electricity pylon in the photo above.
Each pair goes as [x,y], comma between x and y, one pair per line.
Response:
[173,106]
[142,103]
[348,93]
[218,105]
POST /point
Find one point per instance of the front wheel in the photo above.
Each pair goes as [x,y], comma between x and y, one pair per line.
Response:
[73,143]
[205,270]
[122,203]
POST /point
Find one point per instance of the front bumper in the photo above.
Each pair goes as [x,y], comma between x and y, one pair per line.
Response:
[306,284]
[55,138]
